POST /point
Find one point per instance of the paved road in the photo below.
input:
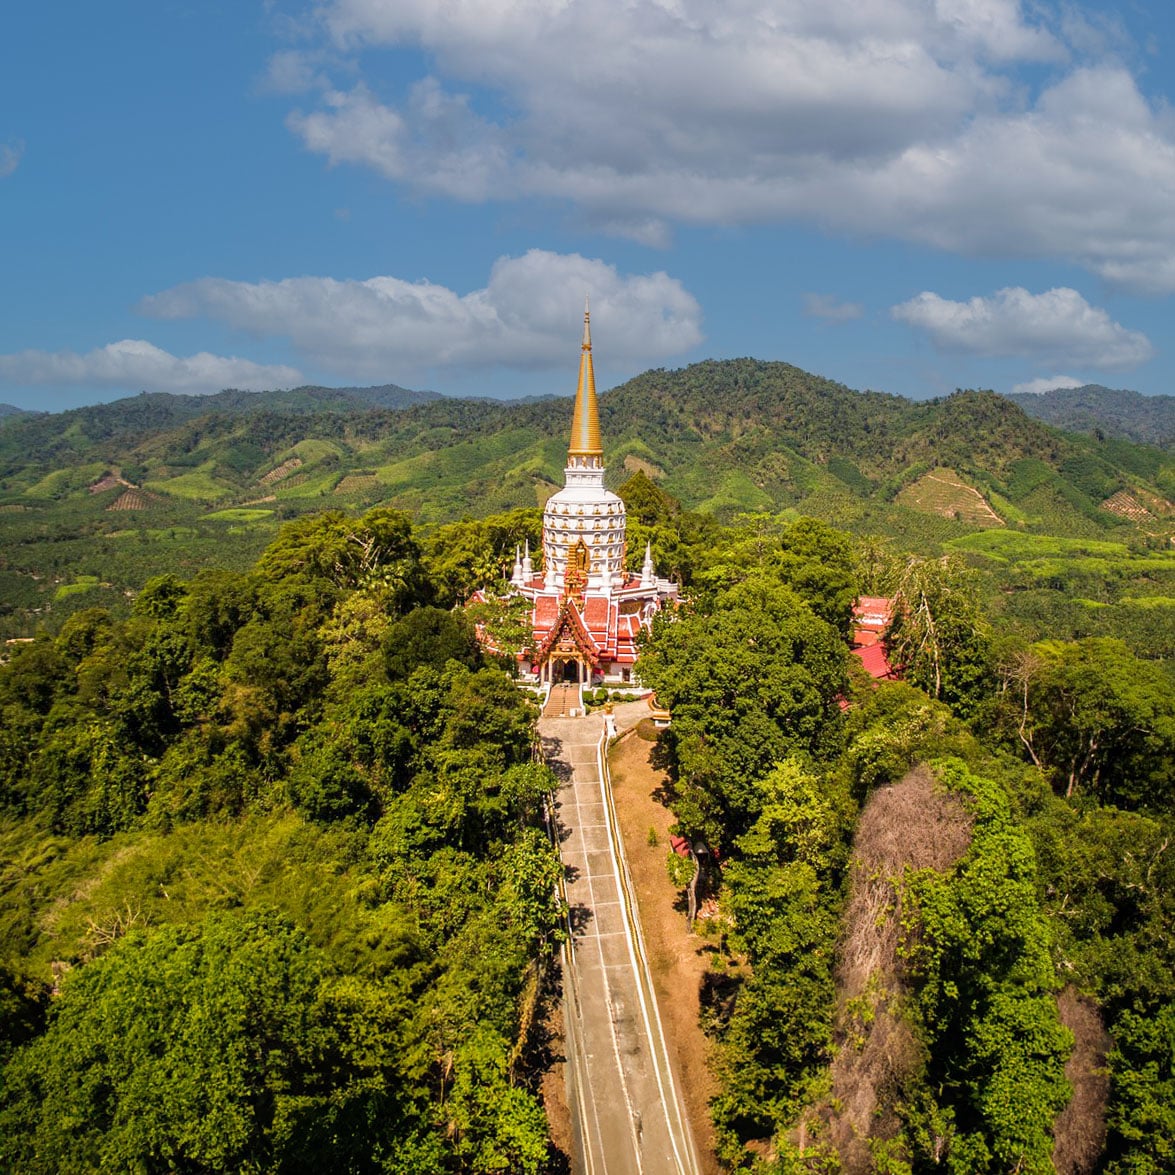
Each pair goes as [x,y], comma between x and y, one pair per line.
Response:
[626,1113]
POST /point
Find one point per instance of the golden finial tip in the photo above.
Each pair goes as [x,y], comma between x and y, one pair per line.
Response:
[585,425]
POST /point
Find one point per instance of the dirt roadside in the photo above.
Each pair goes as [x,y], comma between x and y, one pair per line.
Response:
[677,959]
[553,1086]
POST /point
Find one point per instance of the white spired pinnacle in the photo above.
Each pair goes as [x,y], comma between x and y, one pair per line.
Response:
[648,574]
[527,565]
[516,575]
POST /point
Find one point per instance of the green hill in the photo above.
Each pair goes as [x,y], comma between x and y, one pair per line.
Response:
[121,491]
[9,413]
[126,421]
[1117,412]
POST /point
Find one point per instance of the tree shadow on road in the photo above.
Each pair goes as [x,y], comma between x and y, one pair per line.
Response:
[552,749]
[580,917]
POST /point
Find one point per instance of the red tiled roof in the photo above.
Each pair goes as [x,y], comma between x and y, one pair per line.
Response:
[873,658]
[595,613]
[612,634]
[568,618]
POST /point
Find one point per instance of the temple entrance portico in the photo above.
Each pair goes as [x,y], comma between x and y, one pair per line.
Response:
[568,669]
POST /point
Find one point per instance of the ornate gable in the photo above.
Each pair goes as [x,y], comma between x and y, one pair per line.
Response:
[568,634]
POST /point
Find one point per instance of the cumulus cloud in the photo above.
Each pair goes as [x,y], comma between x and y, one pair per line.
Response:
[1058,325]
[525,316]
[829,307]
[10,157]
[135,364]
[1048,383]
[912,118]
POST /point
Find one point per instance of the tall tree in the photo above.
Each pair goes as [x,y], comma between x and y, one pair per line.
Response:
[938,635]
[748,683]
[1097,719]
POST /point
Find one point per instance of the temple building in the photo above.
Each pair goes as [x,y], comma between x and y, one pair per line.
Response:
[587,609]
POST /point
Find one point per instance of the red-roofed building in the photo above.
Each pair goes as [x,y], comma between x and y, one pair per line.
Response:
[871,617]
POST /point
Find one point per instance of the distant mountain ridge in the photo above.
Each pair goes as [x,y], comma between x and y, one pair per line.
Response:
[726,437]
[232,401]
[151,412]
[1148,420]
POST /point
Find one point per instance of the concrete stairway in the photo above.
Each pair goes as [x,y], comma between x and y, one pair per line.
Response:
[564,698]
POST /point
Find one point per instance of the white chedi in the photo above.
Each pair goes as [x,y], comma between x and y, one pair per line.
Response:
[587,610]
[584,510]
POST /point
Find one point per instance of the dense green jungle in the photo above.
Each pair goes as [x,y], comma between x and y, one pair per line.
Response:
[275,888]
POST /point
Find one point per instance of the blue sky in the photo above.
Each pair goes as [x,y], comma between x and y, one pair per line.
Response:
[908,195]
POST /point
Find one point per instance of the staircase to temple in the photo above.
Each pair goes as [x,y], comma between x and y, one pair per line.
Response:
[564,698]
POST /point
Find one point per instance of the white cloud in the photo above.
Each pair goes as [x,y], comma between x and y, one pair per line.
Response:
[1048,383]
[910,118]
[386,327]
[437,138]
[829,307]
[10,157]
[1058,325]
[293,71]
[134,364]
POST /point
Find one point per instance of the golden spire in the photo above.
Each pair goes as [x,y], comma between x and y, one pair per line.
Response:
[585,425]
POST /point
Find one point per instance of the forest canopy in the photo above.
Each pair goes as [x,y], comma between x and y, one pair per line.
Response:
[277,891]
[278,895]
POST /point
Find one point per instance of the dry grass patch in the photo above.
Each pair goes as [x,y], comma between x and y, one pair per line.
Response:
[912,824]
[357,483]
[282,471]
[1138,507]
[1080,1128]
[635,464]
[942,491]
[133,499]
[108,482]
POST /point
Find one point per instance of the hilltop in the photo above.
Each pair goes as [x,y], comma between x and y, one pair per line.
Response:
[1119,412]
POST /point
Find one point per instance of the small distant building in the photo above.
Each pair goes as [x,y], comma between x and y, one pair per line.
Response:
[871,617]
[587,609]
